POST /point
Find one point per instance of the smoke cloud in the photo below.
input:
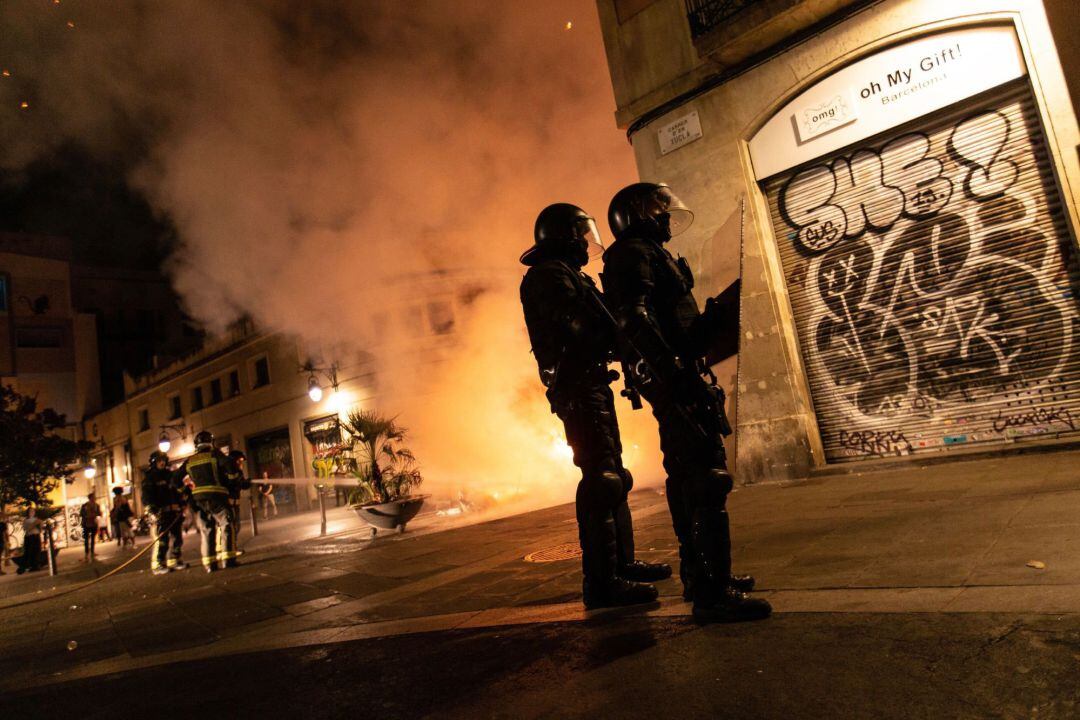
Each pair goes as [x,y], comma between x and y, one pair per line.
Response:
[332,166]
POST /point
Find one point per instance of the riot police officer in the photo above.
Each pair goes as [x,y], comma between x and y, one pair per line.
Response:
[207,472]
[572,341]
[161,496]
[650,294]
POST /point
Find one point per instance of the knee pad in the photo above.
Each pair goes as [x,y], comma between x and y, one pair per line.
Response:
[628,481]
[602,490]
[712,487]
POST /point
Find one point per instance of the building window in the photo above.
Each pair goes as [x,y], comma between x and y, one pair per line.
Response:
[174,407]
[704,15]
[3,293]
[215,391]
[144,420]
[196,399]
[234,383]
[262,372]
[39,337]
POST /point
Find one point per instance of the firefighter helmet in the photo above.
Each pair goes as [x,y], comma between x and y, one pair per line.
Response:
[204,438]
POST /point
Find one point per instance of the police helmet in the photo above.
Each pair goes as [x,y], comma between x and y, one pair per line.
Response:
[204,439]
[648,207]
[564,230]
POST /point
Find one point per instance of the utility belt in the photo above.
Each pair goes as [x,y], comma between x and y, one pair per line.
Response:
[565,393]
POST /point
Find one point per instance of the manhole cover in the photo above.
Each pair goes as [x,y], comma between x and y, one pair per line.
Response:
[566,551]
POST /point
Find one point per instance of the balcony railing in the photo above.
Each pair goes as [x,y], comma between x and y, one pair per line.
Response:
[704,15]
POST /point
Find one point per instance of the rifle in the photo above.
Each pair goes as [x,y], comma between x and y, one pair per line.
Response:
[702,409]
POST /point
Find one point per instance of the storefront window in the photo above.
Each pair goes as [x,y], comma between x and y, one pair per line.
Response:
[270,458]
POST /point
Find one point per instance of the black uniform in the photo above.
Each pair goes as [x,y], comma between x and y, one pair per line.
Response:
[208,472]
[236,482]
[650,294]
[572,343]
[161,496]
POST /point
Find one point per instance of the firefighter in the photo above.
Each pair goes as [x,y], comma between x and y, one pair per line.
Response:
[207,477]
[237,481]
[161,496]
[650,295]
[573,341]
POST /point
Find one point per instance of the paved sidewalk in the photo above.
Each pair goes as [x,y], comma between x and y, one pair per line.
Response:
[954,545]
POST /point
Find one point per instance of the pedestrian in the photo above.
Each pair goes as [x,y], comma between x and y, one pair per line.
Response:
[573,340]
[89,514]
[31,555]
[206,473]
[103,528]
[3,543]
[161,497]
[118,492]
[267,491]
[124,514]
[650,295]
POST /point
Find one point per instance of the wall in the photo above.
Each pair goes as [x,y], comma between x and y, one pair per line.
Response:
[776,429]
[54,349]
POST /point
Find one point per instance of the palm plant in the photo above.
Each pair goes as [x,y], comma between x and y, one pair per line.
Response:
[384,469]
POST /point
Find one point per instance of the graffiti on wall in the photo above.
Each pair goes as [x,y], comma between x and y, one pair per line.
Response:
[936,292]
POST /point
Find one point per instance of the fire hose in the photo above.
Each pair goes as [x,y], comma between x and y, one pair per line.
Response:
[96,580]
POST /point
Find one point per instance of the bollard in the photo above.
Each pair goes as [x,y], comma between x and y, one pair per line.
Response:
[322,509]
[254,520]
[50,548]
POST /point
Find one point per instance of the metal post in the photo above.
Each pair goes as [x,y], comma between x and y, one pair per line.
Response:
[254,520]
[322,509]
[50,549]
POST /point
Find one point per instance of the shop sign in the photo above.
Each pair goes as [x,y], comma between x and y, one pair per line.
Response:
[884,90]
[820,119]
[683,131]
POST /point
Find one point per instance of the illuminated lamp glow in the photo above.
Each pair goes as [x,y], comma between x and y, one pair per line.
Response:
[313,390]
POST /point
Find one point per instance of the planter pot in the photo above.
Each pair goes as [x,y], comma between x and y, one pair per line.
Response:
[390,515]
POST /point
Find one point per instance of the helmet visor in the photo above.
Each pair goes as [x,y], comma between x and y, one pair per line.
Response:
[588,231]
[666,202]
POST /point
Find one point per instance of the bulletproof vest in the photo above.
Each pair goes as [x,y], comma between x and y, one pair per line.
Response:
[207,472]
[566,328]
[671,297]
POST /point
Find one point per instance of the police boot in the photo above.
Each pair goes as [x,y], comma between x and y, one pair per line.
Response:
[715,600]
[601,587]
[742,583]
[629,568]
[675,490]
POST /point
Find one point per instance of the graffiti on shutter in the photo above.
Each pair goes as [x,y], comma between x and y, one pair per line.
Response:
[932,277]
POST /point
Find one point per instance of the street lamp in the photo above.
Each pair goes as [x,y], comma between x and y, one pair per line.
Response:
[314,392]
[89,471]
[314,388]
[164,444]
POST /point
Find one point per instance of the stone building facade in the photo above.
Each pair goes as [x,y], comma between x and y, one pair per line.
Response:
[895,183]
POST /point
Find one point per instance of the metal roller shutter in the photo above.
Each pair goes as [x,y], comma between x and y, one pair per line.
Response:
[932,279]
